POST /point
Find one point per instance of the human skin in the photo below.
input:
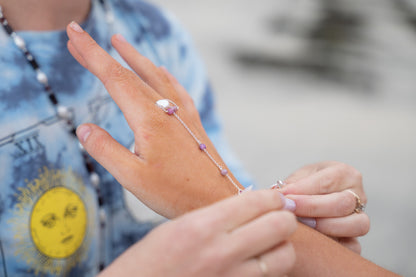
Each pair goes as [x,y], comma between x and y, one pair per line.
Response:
[46,15]
[322,200]
[155,161]
[223,239]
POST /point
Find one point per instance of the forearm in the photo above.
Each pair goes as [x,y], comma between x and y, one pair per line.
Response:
[318,255]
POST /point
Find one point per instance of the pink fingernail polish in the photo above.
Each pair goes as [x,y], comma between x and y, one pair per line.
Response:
[75,26]
[311,222]
[288,204]
[83,132]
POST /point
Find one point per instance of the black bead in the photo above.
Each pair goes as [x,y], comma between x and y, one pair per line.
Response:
[100,201]
[8,29]
[34,64]
[52,97]
[89,165]
[73,131]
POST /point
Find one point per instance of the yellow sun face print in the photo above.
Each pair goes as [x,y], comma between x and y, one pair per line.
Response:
[58,223]
[52,222]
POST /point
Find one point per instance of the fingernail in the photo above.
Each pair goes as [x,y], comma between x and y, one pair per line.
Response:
[83,132]
[311,222]
[288,204]
[120,38]
[75,26]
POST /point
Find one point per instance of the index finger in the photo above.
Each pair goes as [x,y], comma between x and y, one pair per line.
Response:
[328,180]
[125,87]
[234,212]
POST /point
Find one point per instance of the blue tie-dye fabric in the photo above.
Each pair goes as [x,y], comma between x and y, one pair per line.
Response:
[40,162]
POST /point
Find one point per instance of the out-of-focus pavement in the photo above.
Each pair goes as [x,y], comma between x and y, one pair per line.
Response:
[287,101]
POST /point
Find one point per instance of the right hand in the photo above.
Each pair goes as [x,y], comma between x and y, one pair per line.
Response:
[225,239]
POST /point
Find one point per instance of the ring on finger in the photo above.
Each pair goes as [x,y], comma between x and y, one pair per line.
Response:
[359,206]
[263,267]
[279,184]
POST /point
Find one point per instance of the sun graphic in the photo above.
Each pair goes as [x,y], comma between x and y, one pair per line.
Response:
[58,223]
[51,221]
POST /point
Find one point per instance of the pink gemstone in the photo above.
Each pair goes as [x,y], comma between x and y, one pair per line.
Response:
[202,146]
[171,110]
[224,172]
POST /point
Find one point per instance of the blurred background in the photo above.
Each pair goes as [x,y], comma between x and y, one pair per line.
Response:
[300,81]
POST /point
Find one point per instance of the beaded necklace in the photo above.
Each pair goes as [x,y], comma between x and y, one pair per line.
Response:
[66,114]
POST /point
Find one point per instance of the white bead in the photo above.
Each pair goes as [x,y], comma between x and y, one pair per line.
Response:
[95,179]
[110,18]
[81,147]
[64,112]
[19,42]
[163,103]
[42,78]
[103,216]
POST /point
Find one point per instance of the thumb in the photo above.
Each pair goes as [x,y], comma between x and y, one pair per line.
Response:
[117,159]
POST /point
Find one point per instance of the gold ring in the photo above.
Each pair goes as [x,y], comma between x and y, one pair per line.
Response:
[263,266]
[359,206]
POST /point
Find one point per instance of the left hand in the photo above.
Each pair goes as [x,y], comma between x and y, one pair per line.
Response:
[324,203]
[168,170]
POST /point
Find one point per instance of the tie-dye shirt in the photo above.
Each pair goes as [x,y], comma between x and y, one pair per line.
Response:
[49,215]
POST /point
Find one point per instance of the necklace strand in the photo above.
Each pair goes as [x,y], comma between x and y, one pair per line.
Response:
[67,114]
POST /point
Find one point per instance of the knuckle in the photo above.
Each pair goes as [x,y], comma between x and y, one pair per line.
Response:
[287,261]
[325,184]
[284,221]
[99,142]
[311,209]
[356,176]
[346,205]
[117,73]
[196,228]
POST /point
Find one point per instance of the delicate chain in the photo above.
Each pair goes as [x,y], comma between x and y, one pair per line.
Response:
[66,114]
[171,108]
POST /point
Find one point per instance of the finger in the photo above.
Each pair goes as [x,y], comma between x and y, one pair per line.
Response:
[262,234]
[127,90]
[184,96]
[235,211]
[335,204]
[75,54]
[278,261]
[354,225]
[351,243]
[328,180]
[118,160]
[144,67]
[308,170]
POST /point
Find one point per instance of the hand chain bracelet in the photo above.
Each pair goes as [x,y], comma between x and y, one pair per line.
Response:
[169,107]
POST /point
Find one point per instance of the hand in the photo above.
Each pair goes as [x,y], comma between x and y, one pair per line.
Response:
[168,171]
[323,202]
[225,239]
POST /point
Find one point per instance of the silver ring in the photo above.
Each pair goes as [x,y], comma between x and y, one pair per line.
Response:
[263,267]
[279,184]
[359,206]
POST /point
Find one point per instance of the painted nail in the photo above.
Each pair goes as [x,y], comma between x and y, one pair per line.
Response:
[289,204]
[75,26]
[311,222]
[83,132]
[120,38]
